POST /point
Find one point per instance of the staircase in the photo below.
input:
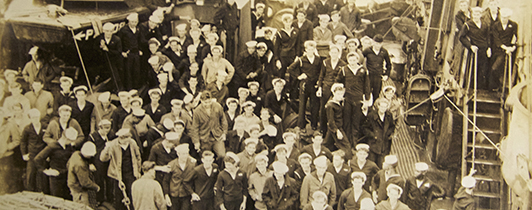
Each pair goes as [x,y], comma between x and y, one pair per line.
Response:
[478,152]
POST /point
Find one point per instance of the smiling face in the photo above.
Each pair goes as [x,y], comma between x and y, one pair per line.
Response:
[216,53]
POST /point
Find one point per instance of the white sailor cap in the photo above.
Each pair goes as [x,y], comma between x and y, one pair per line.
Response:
[176,102]
[259,33]
[231,100]
[168,66]
[304,155]
[66,79]
[217,47]
[155,19]
[155,90]
[182,148]
[278,80]
[71,133]
[260,5]
[270,130]
[104,97]
[421,166]
[154,41]
[469,182]
[153,60]
[33,50]
[173,39]
[233,156]
[171,135]
[251,140]
[320,161]
[310,43]
[64,108]
[392,186]
[34,113]
[251,43]
[287,134]
[133,16]
[286,16]
[253,83]
[206,29]
[123,132]
[135,99]
[195,21]
[324,17]
[182,26]
[248,103]
[188,98]
[134,93]
[81,87]
[279,146]
[362,146]
[261,157]
[279,167]
[122,94]
[337,86]
[340,38]
[168,123]
[179,122]
[162,75]
[242,89]
[88,149]
[353,40]
[212,35]
[390,160]
[254,127]
[108,26]
[7,72]
[358,174]
[104,122]
[139,112]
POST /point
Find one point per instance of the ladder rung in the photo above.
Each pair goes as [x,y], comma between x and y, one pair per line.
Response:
[484,162]
[486,194]
[486,115]
[486,131]
[486,178]
[481,146]
[487,100]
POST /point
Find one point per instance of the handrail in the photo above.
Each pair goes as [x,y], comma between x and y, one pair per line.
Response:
[475,88]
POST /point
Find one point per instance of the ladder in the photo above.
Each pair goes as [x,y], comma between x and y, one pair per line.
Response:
[485,110]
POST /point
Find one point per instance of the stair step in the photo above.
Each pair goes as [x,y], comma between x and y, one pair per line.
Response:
[486,115]
[484,162]
[486,194]
[482,146]
[486,178]
[488,100]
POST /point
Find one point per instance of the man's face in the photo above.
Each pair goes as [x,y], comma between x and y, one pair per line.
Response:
[249,109]
[261,51]
[300,17]
[251,50]
[339,94]
[243,94]
[66,86]
[324,23]
[352,46]
[153,48]
[108,32]
[163,81]
[181,32]
[254,90]
[310,49]
[232,106]
[155,97]
[179,128]
[464,6]
[352,60]
[208,160]
[338,161]
[261,165]
[192,54]
[289,140]
[335,17]
[37,86]
[334,53]
[124,100]
[35,119]
[207,102]
[383,107]
[305,163]
[264,115]
[260,10]
[105,129]
[358,183]
[320,170]
[240,126]
[393,194]
[182,154]
[362,155]
[81,95]
[64,114]
[216,53]
[494,5]
[136,105]
[176,109]
[230,166]
[281,154]
[278,87]
[133,23]
[389,93]
[278,175]
[193,82]
[212,40]
[377,45]
[175,46]
[254,133]
[152,24]
[504,19]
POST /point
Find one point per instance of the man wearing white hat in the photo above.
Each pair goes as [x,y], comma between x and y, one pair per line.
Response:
[103,110]
[388,175]
[173,183]
[247,67]
[379,129]
[464,198]
[504,38]
[130,36]
[276,100]
[248,115]
[155,110]
[31,144]
[307,70]
[80,180]
[419,190]
[124,159]
[55,129]
[231,187]
[59,153]
[174,51]
[102,135]
[82,110]
[162,152]
[121,112]
[64,95]
[178,113]
[227,21]
[218,89]
[331,67]
[352,197]
[280,198]
[319,180]
[360,163]
[394,193]
[139,123]
[257,180]
[110,51]
[39,67]
[336,136]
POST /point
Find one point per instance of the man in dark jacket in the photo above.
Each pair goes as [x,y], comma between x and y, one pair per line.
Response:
[200,182]
[80,179]
[280,198]
[131,40]
[330,68]
[376,56]
[226,20]
[100,138]
[379,130]
[31,144]
[174,181]
[305,27]
[247,68]
[464,199]
[420,190]
[109,47]
[504,37]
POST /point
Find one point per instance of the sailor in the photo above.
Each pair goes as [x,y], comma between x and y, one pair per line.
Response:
[231,187]
[504,37]
[247,68]
[200,182]
[174,189]
[109,47]
[100,138]
[387,176]
[420,190]
[80,179]
[464,198]
[352,198]
[130,36]
[376,57]
[82,109]
[280,190]
[393,192]
[319,180]
[362,164]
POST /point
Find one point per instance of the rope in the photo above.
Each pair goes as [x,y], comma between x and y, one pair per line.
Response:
[475,126]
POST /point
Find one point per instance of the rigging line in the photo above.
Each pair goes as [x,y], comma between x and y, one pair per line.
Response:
[469,120]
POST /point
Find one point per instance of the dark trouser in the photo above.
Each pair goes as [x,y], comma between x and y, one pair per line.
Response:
[325,95]
[483,69]
[333,143]
[103,181]
[352,111]
[233,205]
[218,147]
[498,65]
[59,188]
[131,75]
[35,181]
[230,46]
[376,84]
[204,204]
[181,203]
[10,174]
[128,181]
[377,158]
[309,94]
